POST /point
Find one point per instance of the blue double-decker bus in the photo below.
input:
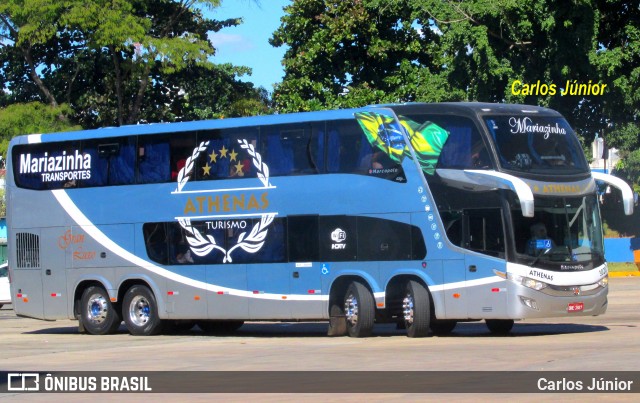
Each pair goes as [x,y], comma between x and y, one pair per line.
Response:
[424,215]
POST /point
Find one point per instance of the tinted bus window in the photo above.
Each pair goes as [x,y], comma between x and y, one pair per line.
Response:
[380,239]
[242,247]
[51,165]
[155,240]
[291,149]
[153,159]
[160,158]
[113,161]
[349,151]
[303,238]
[536,144]
[222,155]
[463,147]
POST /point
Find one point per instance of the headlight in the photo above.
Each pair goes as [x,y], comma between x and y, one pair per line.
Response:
[535,284]
[527,282]
[604,281]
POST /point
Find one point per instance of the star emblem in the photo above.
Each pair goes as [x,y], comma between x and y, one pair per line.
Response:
[213,156]
[239,168]
[233,155]
[223,152]
[206,170]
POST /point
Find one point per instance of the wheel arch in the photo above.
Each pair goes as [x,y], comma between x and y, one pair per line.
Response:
[340,284]
[395,288]
[127,283]
[82,285]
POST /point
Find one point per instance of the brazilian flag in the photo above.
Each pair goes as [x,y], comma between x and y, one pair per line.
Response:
[427,139]
[383,132]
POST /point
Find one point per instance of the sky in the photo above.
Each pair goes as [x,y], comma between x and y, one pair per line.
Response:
[248,44]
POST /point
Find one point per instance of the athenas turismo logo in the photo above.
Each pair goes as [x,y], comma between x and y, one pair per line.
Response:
[235,205]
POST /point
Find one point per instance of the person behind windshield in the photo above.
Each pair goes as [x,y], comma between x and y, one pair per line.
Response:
[539,241]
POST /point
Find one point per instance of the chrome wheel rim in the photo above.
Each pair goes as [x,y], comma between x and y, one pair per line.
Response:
[407,309]
[139,311]
[351,309]
[97,309]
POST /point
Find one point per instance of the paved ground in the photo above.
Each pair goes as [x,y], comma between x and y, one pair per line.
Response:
[605,343]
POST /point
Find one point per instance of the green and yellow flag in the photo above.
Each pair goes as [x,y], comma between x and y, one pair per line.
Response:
[427,139]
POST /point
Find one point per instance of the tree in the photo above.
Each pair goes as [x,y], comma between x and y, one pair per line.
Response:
[113,61]
[356,52]
[352,53]
[31,118]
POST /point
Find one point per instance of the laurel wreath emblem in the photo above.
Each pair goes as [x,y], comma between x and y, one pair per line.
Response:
[203,245]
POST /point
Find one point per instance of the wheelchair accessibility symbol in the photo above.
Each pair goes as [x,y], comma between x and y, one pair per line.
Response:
[325,268]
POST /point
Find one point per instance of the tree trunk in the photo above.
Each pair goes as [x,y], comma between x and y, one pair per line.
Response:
[26,51]
[116,66]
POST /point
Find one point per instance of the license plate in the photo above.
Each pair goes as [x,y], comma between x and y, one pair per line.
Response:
[575,307]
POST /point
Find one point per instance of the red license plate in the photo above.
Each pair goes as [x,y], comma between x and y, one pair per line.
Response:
[575,307]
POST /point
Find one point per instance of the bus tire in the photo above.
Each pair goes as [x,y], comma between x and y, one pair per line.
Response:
[359,309]
[499,326]
[220,326]
[416,309]
[97,313]
[442,327]
[140,311]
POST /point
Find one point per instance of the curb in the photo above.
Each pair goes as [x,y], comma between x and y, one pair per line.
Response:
[624,274]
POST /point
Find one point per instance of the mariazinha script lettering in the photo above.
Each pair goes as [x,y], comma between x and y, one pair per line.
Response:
[525,125]
[57,167]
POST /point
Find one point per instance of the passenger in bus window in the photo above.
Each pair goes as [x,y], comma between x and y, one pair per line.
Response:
[539,241]
[177,168]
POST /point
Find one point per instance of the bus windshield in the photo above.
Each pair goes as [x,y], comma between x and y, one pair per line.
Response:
[536,144]
[565,233]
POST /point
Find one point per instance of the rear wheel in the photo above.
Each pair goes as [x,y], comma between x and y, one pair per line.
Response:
[359,310]
[97,313]
[140,311]
[416,309]
[499,326]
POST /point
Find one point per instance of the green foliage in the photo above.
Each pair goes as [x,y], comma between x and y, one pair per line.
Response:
[3,203]
[356,52]
[31,118]
[117,61]
[352,53]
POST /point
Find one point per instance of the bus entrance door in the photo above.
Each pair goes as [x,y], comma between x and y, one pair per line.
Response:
[455,300]
[486,297]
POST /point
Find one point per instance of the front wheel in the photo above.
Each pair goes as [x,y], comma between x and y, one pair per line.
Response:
[140,311]
[416,309]
[359,310]
[97,313]
[499,326]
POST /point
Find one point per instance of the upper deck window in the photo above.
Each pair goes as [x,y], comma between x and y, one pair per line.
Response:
[536,144]
[451,142]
